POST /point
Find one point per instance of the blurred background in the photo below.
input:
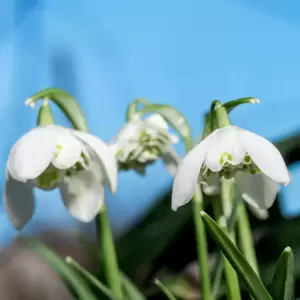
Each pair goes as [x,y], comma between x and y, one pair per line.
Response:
[184,54]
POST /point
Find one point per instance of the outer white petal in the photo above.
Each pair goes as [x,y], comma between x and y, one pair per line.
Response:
[171,160]
[257,190]
[224,140]
[265,155]
[68,151]
[104,154]
[157,121]
[187,174]
[32,153]
[18,202]
[83,193]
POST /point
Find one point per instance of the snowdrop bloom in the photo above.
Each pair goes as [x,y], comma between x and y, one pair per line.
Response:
[230,151]
[142,142]
[50,157]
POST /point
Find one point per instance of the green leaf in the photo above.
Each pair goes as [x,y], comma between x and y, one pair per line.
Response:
[130,289]
[174,118]
[75,281]
[283,280]
[132,108]
[164,289]
[182,286]
[66,103]
[236,259]
[91,278]
[230,105]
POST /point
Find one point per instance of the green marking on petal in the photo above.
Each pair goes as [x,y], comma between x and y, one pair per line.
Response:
[225,158]
[247,160]
[59,149]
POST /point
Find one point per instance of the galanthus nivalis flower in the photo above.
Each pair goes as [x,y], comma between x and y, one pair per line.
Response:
[49,157]
[142,142]
[230,151]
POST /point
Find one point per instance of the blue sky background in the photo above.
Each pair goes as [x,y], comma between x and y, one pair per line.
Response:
[185,54]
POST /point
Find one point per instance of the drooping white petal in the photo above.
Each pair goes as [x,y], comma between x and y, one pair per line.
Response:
[223,141]
[171,160]
[187,174]
[104,155]
[68,151]
[265,155]
[157,121]
[83,193]
[18,202]
[257,190]
[32,153]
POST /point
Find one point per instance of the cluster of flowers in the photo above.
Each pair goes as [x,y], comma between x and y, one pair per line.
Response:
[80,165]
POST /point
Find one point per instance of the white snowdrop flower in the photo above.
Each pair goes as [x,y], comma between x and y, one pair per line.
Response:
[230,151]
[141,142]
[49,157]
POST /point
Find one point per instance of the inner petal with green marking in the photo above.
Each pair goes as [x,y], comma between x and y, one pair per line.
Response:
[228,169]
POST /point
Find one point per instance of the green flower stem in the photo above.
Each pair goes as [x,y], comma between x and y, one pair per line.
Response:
[201,237]
[108,252]
[201,241]
[233,288]
[45,116]
[219,114]
[245,237]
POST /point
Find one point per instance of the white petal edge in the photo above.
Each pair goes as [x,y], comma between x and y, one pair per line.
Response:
[32,153]
[82,195]
[265,155]
[257,190]
[18,202]
[105,155]
[171,160]
[187,174]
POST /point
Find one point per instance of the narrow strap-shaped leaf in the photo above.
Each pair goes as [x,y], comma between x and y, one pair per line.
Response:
[283,280]
[66,102]
[132,108]
[164,289]
[234,256]
[230,105]
[174,118]
[132,292]
[75,280]
[91,278]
